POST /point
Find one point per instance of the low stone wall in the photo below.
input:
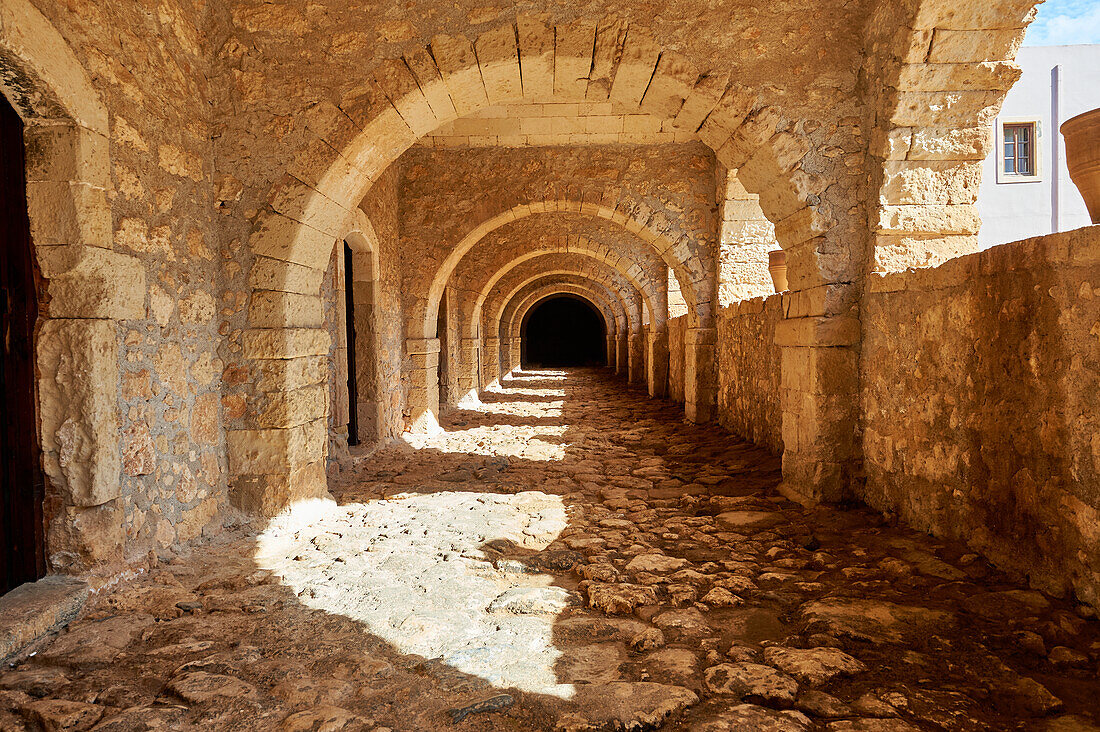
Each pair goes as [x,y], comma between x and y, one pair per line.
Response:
[749,371]
[981,405]
[676,328]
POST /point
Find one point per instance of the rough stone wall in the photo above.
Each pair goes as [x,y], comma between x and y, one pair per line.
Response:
[981,404]
[150,70]
[676,328]
[749,376]
[381,207]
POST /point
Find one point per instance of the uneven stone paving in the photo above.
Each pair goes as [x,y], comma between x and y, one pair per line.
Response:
[567,555]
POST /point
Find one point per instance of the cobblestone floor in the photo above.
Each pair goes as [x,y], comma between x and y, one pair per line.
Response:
[569,555]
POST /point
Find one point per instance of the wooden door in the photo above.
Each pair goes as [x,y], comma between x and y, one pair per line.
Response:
[22,545]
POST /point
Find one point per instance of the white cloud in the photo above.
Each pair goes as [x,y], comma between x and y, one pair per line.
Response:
[1064,22]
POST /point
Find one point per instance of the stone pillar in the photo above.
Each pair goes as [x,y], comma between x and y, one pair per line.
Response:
[280,456]
[490,362]
[515,346]
[423,384]
[657,362]
[820,405]
[622,347]
[468,367]
[506,363]
[700,374]
[636,356]
[77,354]
[370,412]
[611,341]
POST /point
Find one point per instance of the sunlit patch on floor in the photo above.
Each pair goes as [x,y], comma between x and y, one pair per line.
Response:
[527,442]
[413,570]
[539,442]
[542,409]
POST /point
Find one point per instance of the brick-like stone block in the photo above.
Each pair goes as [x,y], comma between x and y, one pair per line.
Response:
[78,409]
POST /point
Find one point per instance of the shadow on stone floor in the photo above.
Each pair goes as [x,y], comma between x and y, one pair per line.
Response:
[611,569]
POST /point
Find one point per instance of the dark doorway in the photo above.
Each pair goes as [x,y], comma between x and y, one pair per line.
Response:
[349,329]
[443,370]
[564,331]
[21,483]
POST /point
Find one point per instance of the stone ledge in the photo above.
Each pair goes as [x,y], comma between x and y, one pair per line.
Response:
[1051,252]
[34,609]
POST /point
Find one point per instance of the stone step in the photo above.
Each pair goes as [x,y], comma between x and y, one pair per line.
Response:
[34,609]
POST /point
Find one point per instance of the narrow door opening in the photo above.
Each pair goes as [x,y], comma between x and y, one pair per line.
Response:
[349,324]
[444,367]
[22,486]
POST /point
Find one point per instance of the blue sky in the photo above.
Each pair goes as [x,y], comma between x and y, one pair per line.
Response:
[1062,22]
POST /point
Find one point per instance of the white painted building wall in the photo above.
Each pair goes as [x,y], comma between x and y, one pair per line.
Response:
[1058,82]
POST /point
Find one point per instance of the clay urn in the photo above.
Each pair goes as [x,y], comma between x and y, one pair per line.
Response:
[1082,135]
[777,266]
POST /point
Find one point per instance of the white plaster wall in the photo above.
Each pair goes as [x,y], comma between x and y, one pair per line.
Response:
[1014,211]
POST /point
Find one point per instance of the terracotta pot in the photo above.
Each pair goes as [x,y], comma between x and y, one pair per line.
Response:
[777,267]
[1082,135]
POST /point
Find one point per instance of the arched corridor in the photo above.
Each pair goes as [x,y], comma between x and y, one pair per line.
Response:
[570,366]
[563,330]
[567,555]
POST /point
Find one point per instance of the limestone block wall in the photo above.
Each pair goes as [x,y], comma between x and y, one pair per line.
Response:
[981,404]
[749,376]
[676,329]
[131,360]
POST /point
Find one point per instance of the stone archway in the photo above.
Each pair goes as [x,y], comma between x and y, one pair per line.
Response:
[670,251]
[637,302]
[349,144]
[582,261]
[629,307]
[651,297]
[508,325]
[90,287]
[544,340]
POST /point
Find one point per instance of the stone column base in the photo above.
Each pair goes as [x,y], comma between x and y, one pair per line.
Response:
[658,363]
[700,374]
[423,385]
[819,398]
[636,369]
